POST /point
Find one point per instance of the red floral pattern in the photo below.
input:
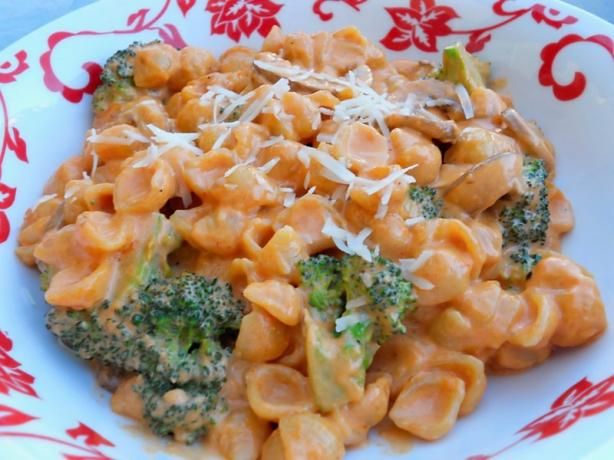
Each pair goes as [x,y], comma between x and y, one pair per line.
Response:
[10,140]
[424,21]
[419,24]
[11,417]
[140,21]
[185,5]
[578,84]
[11,377]
[236,18]
[90,437]
[583,399]
[87,450]
[327,16]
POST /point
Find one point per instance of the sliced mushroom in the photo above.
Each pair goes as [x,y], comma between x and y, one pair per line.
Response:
[428,124]
[530,137]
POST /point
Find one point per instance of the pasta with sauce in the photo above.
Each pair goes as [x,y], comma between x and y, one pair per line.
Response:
[281,247]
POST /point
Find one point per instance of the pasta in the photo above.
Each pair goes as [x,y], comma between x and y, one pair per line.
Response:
[282,247]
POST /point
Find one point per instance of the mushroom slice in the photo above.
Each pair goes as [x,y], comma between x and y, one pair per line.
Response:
[428,124]
[530,137]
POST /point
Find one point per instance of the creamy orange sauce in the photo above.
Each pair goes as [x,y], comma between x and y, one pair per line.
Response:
[241,167]
[392,438]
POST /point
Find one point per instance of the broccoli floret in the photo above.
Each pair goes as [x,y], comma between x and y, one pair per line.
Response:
[425,201]
[45,276]
[186,411]
[321,279]
[525,216]
[370,302]
[525,259]
[117,78]
[169,329]
[387,295]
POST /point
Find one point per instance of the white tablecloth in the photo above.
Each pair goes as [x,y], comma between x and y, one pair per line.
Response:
[19,17]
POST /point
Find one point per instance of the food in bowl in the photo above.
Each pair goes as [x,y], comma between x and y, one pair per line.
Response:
[281,247]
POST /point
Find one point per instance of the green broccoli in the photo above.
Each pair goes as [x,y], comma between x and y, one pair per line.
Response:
[116,79]
[424,201]
[366,307]
[168,329]
[320,278]
[45,276]
[460,67]
[525,216]
[387,295]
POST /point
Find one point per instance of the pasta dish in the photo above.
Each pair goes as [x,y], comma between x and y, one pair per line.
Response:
[275,250]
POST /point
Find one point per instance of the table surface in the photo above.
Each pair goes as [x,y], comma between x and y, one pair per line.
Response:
[23,16]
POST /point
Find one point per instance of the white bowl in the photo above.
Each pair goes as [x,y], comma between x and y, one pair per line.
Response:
[559,63]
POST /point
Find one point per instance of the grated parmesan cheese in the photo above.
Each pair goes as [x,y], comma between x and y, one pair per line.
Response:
[410,266]
[95,160]
[269,165]
[357,302]
[347,241]
[347,321]
[272,141]
[465,101]
[169,140]
[414,221]
[289,198]
[44,199]
[152,154]
[237,166]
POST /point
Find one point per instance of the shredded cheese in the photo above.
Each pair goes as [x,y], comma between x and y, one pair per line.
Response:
[95,160]
[410,266]
[414,221]
[357,302]
[169,140]
[152,154]
[44,199]
[290,196]
[272,141]
[347,321]
[307,179]
[233,168]
[465,101]
[347,241]
[269,165]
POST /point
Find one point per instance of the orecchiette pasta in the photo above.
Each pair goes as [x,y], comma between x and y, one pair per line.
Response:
[282,247]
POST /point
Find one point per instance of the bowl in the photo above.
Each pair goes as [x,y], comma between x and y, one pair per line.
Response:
[556,61]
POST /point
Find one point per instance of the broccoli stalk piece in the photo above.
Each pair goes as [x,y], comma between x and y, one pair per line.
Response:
[525,216]
[365,304]
[460,67]
[424,201]
[117,78]
[321,279]
[167,329]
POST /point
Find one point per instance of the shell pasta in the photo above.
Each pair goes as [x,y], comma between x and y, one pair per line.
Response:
[275,250]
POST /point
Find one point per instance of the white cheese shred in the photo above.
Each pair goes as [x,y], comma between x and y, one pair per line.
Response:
[269,165]
[410,266]
[465,101]
[347,241]
[347,321]
[356,302]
